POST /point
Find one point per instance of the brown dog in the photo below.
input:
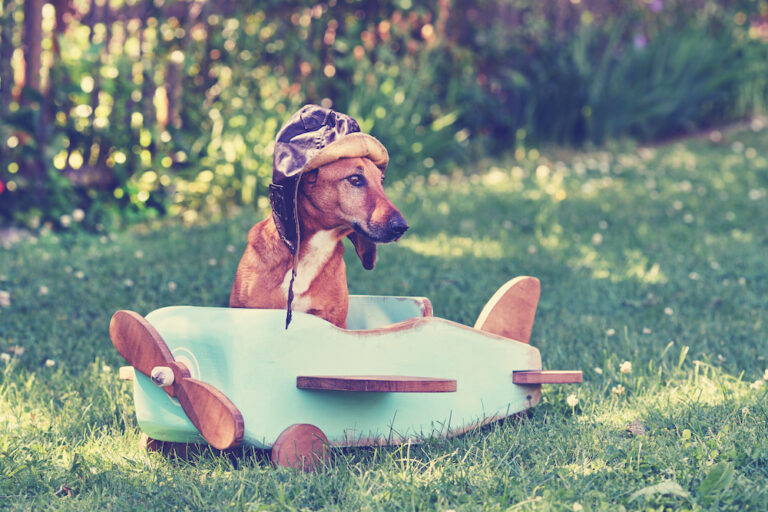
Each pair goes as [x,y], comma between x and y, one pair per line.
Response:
[342,198]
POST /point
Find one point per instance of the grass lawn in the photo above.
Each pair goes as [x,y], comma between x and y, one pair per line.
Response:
[654,257]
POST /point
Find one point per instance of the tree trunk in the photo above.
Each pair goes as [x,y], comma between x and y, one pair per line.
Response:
[173,93]
[6,53]
[33,36]
[147,89]
[207,80]
[64,11]
[104,139]
[95,16]
[175,70]
[59,75]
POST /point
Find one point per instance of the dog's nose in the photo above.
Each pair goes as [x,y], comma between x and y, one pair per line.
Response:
[397,225]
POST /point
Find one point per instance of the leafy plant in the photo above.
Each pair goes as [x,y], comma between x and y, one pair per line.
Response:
[162,111]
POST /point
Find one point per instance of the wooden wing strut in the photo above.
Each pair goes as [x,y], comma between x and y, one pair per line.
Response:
[546,377]
[376,383]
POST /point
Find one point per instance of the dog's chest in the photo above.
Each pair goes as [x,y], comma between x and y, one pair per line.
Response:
[319,249]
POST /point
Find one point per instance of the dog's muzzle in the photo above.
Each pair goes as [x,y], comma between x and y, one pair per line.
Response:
[383,233]
[396,226]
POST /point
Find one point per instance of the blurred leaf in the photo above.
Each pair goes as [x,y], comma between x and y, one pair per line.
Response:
[667,487]
[720,478]
[31,95]
[25,119]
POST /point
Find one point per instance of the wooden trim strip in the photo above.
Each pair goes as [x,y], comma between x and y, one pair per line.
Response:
[376,383]
[546,377]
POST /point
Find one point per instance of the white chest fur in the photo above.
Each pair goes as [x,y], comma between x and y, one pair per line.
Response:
[318,250]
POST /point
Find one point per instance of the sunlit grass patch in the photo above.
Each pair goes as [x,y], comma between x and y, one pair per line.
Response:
[653,283]
[443,246]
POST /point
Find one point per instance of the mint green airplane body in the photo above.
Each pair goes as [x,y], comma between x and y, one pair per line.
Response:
[254,360]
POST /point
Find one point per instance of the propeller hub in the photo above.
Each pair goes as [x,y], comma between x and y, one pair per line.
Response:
[162,376]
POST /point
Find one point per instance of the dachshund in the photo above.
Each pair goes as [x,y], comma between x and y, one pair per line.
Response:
[339,199]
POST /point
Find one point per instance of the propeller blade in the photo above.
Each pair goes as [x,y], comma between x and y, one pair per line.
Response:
[211,412]
[138,342]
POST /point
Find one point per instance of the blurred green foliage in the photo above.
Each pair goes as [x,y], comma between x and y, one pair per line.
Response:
[170,108]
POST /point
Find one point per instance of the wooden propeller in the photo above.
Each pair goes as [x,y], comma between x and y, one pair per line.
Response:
[209,410]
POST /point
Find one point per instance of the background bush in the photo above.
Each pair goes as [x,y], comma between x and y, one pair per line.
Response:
[148,109]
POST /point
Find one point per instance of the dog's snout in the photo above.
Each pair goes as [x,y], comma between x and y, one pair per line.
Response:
[397,225]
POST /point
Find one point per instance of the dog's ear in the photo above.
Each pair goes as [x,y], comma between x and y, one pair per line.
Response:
[366,250]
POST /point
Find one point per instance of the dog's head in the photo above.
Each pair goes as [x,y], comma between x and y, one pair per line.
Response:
[348,194]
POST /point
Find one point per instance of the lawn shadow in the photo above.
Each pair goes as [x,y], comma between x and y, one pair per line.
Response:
[190,453]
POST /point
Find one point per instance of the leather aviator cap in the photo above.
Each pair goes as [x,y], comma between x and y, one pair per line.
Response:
[312,137]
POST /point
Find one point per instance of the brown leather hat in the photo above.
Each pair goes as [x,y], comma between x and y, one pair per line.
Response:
[314,136]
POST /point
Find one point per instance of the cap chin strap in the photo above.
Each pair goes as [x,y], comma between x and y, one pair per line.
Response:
[288,312]
[295,254]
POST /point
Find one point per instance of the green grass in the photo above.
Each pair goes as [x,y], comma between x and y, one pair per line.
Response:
[651,256]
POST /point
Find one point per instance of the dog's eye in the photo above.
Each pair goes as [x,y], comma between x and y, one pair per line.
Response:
[356,180]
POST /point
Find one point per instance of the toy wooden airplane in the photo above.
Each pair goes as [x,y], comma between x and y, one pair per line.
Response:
[397,373]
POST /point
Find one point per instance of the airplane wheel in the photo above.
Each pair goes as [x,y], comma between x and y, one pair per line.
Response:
[301,446]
